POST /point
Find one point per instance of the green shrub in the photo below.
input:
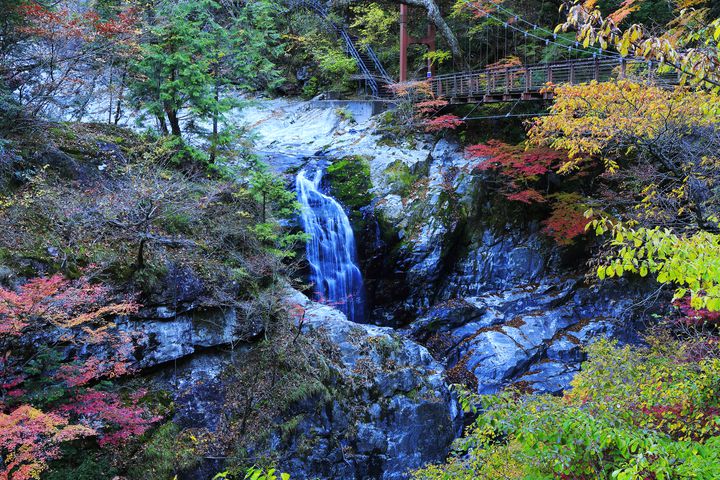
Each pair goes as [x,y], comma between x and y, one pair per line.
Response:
[633,413]
[177,222]
[400,177]
[345,114]
[91,467]
[164,455]
[311,88]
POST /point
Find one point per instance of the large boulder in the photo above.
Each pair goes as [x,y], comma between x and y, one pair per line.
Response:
[402,416]
[530,335]
[390,410]
[171,336]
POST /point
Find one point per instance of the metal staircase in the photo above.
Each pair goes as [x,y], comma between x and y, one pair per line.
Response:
[372,72]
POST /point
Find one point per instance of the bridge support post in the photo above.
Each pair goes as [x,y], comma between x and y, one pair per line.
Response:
[406,40]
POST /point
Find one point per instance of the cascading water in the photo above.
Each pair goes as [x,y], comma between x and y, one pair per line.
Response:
[331,249]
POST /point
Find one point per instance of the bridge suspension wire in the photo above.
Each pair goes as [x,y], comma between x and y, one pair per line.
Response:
[535,26]
[520,19]
[526,33]
[598,50]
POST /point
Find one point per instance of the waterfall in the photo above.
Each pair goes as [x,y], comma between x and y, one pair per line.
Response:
[331,249]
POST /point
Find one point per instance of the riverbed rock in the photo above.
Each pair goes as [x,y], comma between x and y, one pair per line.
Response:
[407,418]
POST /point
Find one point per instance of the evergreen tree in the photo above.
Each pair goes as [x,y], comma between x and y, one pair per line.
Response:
[175,75]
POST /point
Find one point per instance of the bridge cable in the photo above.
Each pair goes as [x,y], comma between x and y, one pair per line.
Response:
[551,42]
[544,30]
[546,40]
[607,54]
[515,115]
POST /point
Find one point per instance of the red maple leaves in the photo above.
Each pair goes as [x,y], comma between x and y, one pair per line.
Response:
[30,438]
[66,24]
[517,164]
[47,397]
[521,172]
[443,122]
[567,220]
[116,419]
[695,318]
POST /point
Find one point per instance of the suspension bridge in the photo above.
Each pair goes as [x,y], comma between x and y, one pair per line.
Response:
[514,82]
[528,83]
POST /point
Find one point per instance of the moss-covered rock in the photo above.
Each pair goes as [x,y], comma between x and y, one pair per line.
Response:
[400,178]
[350,181]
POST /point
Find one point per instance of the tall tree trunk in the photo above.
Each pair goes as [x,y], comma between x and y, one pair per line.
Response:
[121,92]
[171,110]
[163,125]
[140,260]
[264,206]
[110,91]
[174,121]
[214,142]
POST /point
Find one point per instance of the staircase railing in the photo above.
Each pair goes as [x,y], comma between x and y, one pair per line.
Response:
[378,65]
[352,50]
[370,78]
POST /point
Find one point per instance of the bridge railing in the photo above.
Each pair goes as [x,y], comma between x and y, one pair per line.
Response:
[531,79]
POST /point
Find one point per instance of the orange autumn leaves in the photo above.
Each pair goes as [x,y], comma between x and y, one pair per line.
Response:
[49,395]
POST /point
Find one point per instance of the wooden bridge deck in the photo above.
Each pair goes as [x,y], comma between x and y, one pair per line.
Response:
[529,82]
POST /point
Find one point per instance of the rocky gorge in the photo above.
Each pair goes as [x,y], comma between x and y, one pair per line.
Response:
[454,294]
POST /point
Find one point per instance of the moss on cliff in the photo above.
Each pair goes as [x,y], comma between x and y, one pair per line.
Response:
[400,178]
[79,195]
[350,182]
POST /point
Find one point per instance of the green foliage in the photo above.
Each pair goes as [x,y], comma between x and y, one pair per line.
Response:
[276,202]
[175,68]
[633,414]
[332,67]
[258,44]
[10,110]
[179,153]
[374,22]
[345,114]
[689,262]
[653,13]
[196,56]
[437,57]
[400,178]
[255,473]
[77,464]
[335,66]
[164,454]
[311,88]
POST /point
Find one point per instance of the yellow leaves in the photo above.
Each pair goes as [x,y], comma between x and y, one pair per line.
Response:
[690,44]
[691,263]
[605,121]
[624,47]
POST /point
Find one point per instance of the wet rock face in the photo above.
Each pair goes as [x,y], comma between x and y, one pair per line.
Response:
[532,343]
[170,336]
[491,298]
[529,335]
[398,413]
[391,411]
